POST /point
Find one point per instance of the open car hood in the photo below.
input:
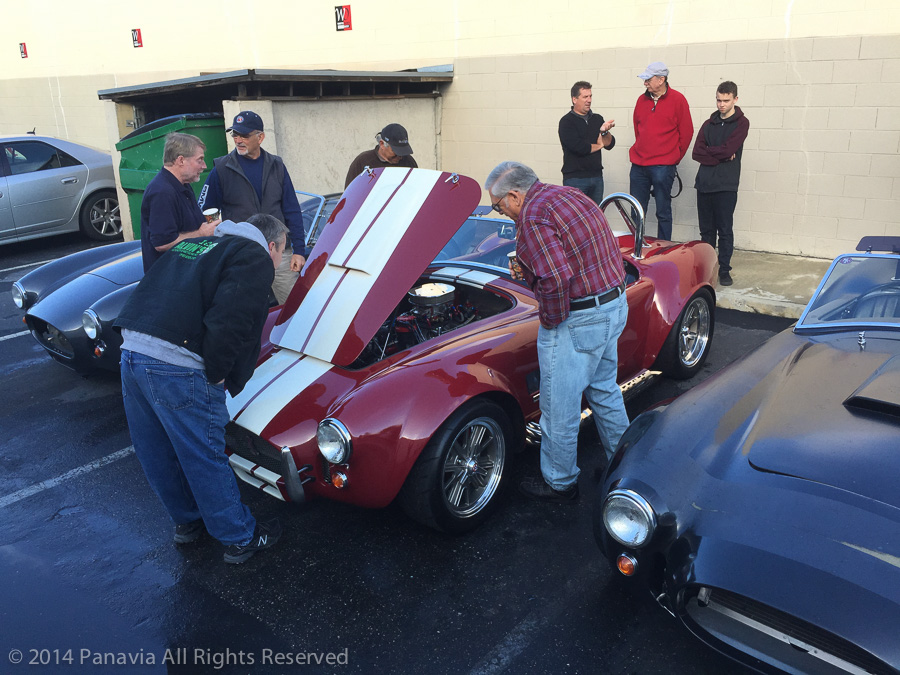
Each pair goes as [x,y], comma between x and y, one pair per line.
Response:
[386,229]
[829,412]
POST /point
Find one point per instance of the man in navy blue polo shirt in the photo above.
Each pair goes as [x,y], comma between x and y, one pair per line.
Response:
[169,211]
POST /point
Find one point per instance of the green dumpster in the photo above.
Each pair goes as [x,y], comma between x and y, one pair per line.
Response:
[142,154]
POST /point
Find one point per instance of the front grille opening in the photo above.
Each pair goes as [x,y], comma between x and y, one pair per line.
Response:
[777,637]
[251,447]
[51,338]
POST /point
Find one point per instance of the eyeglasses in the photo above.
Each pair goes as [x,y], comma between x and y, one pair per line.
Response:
[235,134]
[496,207]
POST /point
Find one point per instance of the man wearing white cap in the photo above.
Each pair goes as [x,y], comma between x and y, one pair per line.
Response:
[663,132]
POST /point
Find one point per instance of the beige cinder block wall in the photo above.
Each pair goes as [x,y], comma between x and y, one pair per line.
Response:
[819,79]
[820,168]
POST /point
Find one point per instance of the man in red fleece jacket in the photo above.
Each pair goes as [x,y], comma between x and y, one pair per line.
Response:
[663,131]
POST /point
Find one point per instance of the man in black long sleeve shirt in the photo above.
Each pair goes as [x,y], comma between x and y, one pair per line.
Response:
[583,134]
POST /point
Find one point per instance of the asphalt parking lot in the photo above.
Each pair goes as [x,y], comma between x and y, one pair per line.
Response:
[94,584]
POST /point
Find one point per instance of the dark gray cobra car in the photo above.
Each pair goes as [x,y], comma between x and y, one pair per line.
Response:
[51,186]
[762,508]
[70,304]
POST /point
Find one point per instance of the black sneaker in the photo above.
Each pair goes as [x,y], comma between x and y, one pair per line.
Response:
[188,532]
[264,536]
[725,279]
[537,488]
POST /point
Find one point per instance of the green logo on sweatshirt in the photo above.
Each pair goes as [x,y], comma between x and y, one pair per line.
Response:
[191,250]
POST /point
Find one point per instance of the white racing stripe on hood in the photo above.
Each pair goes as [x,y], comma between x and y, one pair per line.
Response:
[274,384]
[332,302]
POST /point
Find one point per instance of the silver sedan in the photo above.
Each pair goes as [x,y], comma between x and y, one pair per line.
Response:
[50,186]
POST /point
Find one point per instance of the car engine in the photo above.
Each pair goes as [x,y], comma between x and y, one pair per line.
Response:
[429,310]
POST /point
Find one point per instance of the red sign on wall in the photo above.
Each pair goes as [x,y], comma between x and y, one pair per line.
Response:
[23,50]
[342,17]
[136,37]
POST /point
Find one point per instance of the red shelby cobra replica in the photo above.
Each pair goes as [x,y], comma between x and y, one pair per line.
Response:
[404,362]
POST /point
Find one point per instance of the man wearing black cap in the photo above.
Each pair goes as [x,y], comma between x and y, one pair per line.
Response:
[250,180]
[393,149]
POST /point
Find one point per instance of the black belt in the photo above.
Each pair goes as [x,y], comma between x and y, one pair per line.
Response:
[596,300]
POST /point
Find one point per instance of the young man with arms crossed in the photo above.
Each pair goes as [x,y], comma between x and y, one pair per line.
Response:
[718,148]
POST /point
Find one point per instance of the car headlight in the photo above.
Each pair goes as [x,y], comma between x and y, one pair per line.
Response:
[628,518]
[334,441]
[91,324]
[19,296]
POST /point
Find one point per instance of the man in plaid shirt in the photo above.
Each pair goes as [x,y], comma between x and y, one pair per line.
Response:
[570,259]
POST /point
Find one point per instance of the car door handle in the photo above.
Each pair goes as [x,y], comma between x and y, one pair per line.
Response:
[69,180]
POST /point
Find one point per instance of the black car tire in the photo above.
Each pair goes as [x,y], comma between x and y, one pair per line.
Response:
[100,219]
[471,449]
[687,346]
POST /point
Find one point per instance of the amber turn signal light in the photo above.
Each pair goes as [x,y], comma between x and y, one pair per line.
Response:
[339,479]
[626,564]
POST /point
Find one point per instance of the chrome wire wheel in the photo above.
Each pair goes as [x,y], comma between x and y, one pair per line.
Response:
[474,467]
[694,332]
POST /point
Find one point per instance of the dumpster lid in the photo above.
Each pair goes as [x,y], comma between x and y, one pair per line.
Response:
[156,124]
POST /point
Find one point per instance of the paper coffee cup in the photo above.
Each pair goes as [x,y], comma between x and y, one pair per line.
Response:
[514,263]
[212,214]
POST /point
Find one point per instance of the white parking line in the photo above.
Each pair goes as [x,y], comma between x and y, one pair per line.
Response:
[24,493]
[22,267]
[14,335]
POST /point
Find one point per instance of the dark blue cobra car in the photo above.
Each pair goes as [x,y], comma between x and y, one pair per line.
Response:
[762,508]
[70,304]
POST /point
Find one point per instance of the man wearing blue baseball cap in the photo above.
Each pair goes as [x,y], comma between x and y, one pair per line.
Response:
[663,132]
[250,180]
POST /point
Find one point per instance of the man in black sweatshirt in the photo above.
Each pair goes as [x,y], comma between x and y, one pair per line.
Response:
[191,328]
[718,148]
[583,134]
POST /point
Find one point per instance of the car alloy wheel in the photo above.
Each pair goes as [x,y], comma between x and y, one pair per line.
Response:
[454,483]
[694,331]
[687,346]
[474,466]
[100,218]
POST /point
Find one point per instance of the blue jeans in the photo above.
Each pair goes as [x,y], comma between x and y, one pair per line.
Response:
[580,358]
[177,423]
[660,178]
[592,187]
